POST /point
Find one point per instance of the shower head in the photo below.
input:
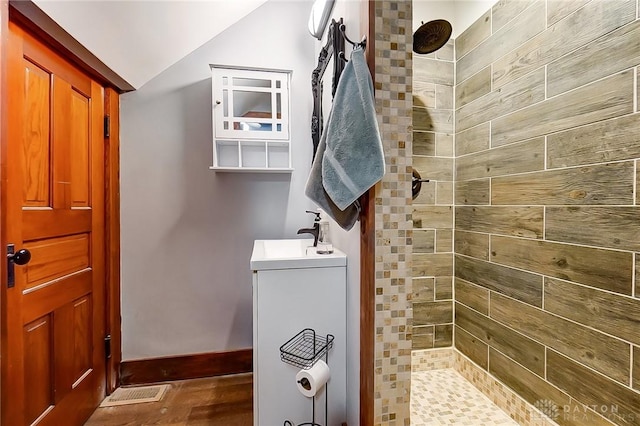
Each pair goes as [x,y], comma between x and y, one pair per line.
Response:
[431,36]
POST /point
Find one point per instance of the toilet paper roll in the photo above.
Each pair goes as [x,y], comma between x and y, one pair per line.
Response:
[310,381]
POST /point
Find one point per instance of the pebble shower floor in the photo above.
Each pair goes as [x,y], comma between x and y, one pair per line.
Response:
[444,397]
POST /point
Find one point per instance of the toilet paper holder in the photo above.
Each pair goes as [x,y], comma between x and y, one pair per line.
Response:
[304,350]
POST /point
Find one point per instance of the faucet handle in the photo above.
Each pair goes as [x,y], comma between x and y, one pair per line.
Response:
[317,219]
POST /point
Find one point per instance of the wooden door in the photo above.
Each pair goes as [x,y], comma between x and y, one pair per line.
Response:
[53,340]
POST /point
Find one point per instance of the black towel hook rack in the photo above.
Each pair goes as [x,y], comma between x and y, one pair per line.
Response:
[362,44]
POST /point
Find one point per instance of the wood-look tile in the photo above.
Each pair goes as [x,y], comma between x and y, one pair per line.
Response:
[422,337]
[610,140]
[607,98]
[432,265]
[472,295]
[585,25]
[444,193]
[603,353]
[521,157]
[559,9]
[612,227]
[444,240]
[523,350]
[432,71]
[472,192]
[433,120]
[637,275]
[516,95]
[433,217]
[610,183]
[472,347]
[636,368]
[474,35]
[444,145]
[446,52]
[509,37]
[473,140]
[444,336]
[593,389]
[444,96]
[434,168]
[474,87]
[471,244]
[423,240]
[427,195]
[525,221]
[430,313]
[611,53]
[613,314]
[505,10]
[444,288]
[518,284]
[424,143]
[606,269]
[423,289]
[424,94]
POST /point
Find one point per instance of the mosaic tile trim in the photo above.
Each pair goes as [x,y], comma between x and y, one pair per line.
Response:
[431,359]
[499,394]
[444,397]
[393,224]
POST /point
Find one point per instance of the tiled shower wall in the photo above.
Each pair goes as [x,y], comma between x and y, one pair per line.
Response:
[547,216]
[433,158]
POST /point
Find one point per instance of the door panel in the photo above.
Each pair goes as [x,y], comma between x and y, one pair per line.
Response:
[55,314]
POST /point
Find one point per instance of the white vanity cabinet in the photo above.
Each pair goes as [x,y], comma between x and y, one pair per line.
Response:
[290,294]
[251,119]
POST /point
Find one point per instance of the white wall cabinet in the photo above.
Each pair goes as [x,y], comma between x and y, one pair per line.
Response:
[251,119]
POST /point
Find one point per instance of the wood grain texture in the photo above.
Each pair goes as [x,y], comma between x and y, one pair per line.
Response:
[186,367]
[525,351]
[611,53]
[473,140]
[527,156]
[585,25]
[444,96]
[472,244]
[612,314]
[636,368]
[428,70]
[444,193]
[433,120]
[514,283]
[472,192]
[474,35]
[423,337]
[444,145]
[611,227]
[424,143]
[607,98]
[603,353]
[505,10]
[446,52]
[593,389]
[432,265]
[610,183]
[432,216]
[431,313]
[472,347]
[606,269]
[559,9]
[423,240]
[444,240]
[472,295]
[474,87]
[423,289]
[610,140]
[509,37]
[444,288]
[55,258]
[443,336]
[517,221]
[424,94]
[516,95]
[38,367]
[433,168]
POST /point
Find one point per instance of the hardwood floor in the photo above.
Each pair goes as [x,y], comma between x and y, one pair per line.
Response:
[224,401]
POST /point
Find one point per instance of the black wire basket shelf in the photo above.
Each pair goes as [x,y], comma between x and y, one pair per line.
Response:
[305,348]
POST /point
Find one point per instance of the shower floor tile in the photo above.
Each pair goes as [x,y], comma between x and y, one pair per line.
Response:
[444,397]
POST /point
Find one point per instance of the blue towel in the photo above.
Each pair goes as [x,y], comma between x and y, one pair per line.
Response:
[353,160]
[346,218]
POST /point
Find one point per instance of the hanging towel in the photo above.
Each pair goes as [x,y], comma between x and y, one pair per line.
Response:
[346,218]
[353,160]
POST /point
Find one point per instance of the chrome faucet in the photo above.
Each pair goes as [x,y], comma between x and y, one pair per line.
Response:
[315,231]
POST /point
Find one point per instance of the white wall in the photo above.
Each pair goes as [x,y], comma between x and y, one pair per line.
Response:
[187,232]
[460,13]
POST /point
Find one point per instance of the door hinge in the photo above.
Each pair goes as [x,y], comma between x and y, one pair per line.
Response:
[107,126]
[107,346]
